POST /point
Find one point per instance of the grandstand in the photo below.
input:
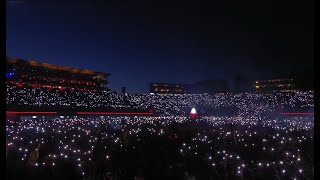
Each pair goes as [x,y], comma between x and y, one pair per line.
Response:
[26,73]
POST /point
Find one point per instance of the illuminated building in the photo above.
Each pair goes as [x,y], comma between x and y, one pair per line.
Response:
[37,74]
[166,88]
[275,85]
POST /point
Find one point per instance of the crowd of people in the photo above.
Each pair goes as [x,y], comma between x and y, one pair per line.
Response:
[172,147]
[236,136]
[251,104]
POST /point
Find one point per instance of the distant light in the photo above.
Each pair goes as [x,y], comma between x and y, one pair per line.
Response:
[34,116]
[9,75]
[193,111]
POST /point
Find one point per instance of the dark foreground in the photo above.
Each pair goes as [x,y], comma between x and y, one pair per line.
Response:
[159,148]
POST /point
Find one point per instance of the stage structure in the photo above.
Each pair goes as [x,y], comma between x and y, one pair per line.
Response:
[193,113]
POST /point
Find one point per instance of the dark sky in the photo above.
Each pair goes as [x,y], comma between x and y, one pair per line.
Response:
[162,41]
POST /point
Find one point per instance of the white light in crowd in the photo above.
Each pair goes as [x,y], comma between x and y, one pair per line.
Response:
[193,111]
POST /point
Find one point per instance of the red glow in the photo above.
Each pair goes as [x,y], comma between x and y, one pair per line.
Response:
[114,113]
[193,116]
[296,113]
[14,112]
[81,113]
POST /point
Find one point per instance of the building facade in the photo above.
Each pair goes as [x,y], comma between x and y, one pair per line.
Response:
[211,86]
[37,74]
[206,86]
[242,84]
[275,85]
[166,88]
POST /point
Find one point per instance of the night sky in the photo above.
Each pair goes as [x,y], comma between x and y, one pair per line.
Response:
[162,41]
